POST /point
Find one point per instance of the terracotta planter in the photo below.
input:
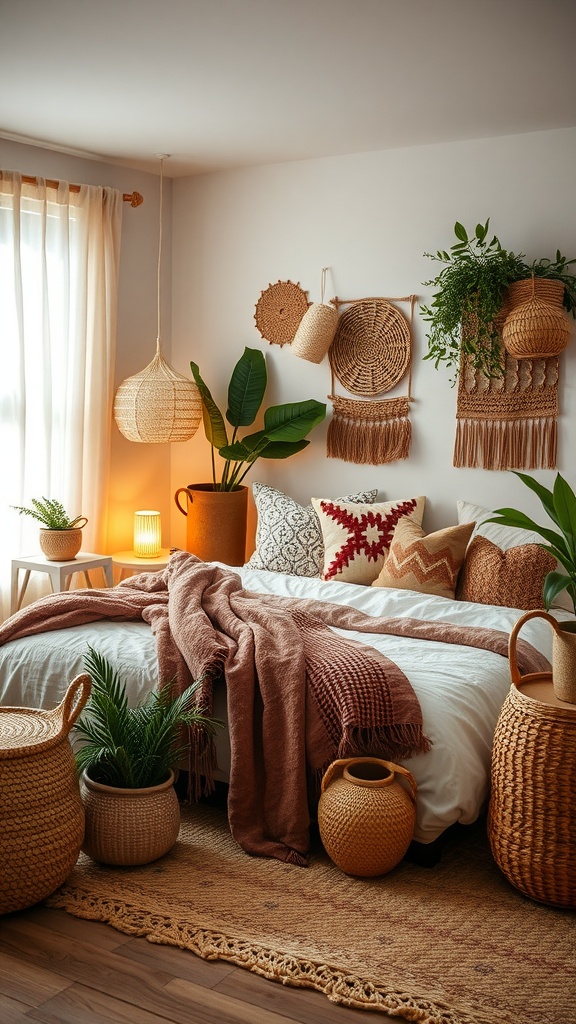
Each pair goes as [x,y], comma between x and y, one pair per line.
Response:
[129,826]
[61,545]
[215,522]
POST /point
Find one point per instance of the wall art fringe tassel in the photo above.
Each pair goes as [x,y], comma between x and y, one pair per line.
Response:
[508,422]
[369,432]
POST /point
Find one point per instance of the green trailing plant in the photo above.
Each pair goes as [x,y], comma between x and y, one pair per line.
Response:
[468,296]
[560,506]
[50,513]
[133,747]
[285,426]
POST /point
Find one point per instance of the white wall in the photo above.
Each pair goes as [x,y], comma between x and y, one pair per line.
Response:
[370,217]
[140,474]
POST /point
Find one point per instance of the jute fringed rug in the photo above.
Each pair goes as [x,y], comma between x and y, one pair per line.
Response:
[453,944]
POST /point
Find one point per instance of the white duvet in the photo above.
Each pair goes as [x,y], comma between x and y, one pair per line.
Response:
[460,689]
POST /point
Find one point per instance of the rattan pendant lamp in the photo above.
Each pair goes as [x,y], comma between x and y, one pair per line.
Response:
[158,404]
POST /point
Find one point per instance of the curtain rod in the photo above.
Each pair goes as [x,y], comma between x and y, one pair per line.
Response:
[134,198]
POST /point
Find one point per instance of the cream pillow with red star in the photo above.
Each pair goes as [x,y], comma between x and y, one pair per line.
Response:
[357,537]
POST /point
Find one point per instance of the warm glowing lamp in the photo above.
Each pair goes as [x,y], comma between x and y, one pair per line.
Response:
[147,533]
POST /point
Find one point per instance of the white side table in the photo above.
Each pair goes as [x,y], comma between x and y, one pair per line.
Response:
[60,573]
[128,563]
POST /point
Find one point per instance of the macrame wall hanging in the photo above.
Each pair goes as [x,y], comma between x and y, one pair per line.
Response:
[508,422]
[279,311]
[370,355]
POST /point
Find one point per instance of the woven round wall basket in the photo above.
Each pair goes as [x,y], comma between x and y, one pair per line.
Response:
[366,816]
[41,813]
[315,332]
[371,350]
[535,330]
[279,311]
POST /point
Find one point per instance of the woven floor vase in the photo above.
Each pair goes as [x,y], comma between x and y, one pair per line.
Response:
[41,813]
[563,653]
[129,826]
[215,522]
[366,816]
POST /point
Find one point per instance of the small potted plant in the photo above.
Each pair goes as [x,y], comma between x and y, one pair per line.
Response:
[60,536]
[217,511]
[468,306]
[126,760]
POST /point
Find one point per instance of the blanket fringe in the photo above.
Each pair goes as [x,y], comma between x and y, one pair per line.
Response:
[390,742]
[338,985]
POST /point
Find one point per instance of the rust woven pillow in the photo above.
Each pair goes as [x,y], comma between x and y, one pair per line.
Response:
[428,564]
[513,578]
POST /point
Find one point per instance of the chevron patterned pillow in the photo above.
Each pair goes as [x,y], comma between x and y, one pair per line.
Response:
[427,564]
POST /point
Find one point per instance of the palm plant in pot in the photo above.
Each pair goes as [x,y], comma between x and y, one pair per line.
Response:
[216,512]
[472,290]
[126,758]
[60,536]
[560,507]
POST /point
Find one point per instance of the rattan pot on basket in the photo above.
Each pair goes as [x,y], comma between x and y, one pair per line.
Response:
[41,813]
[129,826]
[532,814]
[536,328]
[366,815]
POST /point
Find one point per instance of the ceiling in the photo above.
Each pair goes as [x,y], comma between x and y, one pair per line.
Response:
[232,83]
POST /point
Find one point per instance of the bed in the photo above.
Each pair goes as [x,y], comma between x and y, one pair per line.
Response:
[460,688]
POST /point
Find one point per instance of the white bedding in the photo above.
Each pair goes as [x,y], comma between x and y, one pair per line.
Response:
[460,689]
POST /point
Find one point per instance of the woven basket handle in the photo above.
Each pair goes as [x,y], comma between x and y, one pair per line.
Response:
[81,523]
[337,768]
[76,696]
[190,496]
[536,614]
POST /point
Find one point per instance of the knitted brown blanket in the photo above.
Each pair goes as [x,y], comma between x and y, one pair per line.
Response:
[299,695]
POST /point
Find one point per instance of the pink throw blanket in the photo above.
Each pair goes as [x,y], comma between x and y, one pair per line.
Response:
[298,694]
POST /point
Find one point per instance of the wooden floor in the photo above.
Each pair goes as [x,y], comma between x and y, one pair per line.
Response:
[62,970]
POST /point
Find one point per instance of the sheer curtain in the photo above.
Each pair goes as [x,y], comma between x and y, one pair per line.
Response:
[59,255]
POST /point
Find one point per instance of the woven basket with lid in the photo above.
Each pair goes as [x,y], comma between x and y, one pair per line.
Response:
[40,807]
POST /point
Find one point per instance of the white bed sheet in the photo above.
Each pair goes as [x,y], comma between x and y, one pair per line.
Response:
[460,689]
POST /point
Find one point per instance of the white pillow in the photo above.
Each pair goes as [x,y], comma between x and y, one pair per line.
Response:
[503,536]
[288,535]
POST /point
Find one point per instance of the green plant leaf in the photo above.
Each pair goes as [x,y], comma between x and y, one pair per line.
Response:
[291,422]
[554,584]
[460,232]
[511,517]
[546,496]
[246,388]
[565,508]
[282,449]
[214,426]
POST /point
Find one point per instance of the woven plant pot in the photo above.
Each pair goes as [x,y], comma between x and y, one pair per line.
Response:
[129,826]
[61,545]
[41,813]
[535,330]
[215,522]
[315,332]
[366,816]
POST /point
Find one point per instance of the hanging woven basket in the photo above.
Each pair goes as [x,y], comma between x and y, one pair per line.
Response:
[535,330]
[370,353]
[315,332]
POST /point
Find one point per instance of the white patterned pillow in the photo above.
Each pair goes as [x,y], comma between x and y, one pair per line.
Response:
[288,535]
[357,537]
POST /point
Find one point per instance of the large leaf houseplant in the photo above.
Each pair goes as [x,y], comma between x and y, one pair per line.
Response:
[126,757]
[463,316]
[216,511]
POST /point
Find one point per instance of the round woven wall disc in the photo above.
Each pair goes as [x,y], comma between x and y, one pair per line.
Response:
[279,311]
[371,349]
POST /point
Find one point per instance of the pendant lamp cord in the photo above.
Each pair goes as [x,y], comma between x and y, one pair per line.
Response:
[160,220]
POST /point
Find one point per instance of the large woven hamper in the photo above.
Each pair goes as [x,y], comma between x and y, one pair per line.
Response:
[532,812]
[41,813]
